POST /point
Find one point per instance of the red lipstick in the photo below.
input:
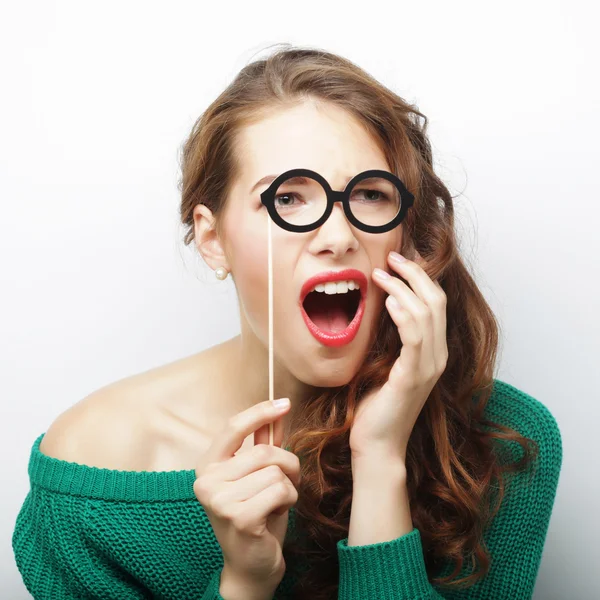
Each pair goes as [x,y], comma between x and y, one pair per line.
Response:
[338,338]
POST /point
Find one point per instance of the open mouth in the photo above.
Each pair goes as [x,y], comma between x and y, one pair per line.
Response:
[332,313]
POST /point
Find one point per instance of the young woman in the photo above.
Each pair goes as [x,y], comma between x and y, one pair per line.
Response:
[400,468]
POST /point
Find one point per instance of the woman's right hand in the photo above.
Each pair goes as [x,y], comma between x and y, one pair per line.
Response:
[247,496]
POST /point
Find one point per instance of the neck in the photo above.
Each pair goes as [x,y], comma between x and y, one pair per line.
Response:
[246,378]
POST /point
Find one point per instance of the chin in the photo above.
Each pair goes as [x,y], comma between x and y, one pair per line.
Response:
[330,373]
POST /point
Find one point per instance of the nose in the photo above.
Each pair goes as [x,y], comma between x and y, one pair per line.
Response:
[336,234]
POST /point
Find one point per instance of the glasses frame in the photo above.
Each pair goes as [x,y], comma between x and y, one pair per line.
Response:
[406,200]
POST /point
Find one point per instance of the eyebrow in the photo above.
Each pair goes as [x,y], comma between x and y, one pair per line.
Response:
[271,178]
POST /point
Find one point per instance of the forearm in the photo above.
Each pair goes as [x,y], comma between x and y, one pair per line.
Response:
[380,509]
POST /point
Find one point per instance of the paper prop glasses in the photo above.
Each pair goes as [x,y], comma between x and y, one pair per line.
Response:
[301,200]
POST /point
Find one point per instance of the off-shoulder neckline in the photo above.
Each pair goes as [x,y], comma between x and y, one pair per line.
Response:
[77,479]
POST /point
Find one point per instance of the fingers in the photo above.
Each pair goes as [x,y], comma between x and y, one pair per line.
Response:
[260,457]
[239,427]
[415,328]
[261,435]
[276,499]
[433,304]
[423,288]
[252,484]
[423,319]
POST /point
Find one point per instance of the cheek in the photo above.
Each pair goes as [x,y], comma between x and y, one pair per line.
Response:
[250,251]
[392,242]
[379,251]
[250,267]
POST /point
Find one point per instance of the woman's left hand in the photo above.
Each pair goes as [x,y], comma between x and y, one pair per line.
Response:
[385,417]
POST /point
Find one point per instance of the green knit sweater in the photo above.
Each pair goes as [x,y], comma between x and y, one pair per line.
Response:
[94,533]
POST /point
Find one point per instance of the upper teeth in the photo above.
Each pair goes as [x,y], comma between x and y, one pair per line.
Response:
[336,287]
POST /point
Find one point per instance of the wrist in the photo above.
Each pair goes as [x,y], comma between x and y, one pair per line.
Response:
[232,587]
[378,468]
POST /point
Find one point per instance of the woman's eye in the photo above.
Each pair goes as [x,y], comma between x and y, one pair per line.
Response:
[286,202]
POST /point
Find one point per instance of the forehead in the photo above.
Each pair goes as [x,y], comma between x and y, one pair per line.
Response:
[325,139]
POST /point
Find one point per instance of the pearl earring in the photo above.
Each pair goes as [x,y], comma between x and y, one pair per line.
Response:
[221,273]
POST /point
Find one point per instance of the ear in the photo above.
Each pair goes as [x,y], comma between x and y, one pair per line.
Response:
[206,239]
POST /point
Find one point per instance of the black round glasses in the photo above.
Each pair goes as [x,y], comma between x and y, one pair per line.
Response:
[301,200]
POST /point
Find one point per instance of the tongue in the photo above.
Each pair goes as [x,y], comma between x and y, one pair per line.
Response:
[331,320]
[327,312]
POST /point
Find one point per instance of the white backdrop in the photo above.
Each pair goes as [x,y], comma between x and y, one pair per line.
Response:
[97,98]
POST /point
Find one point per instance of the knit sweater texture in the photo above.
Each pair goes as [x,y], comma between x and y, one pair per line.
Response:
[92,533]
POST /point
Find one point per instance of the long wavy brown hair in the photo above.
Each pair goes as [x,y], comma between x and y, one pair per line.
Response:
[452,468]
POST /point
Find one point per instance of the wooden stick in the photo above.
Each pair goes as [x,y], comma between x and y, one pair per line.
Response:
[270,324]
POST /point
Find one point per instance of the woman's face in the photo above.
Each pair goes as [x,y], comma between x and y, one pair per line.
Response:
[329,141]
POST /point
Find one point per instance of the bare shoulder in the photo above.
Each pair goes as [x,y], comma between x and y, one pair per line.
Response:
[94,430]
[137,423]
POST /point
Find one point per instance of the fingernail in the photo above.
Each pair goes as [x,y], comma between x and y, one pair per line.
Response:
[381,274]
[397,257]
[281,403]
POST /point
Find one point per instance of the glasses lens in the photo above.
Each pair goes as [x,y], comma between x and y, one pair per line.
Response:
[303,201]
[375,201]
[300,200]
